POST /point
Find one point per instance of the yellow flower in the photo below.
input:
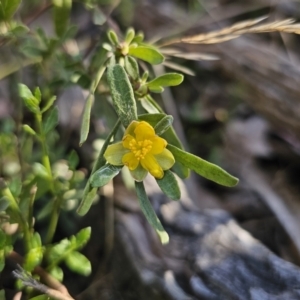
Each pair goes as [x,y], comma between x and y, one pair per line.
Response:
[142,151]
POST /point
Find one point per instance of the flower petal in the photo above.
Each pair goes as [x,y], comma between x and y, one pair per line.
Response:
[165,159]
[131,127]
[126,140]
[158,145]
[114,154]
[144,131]
[139,173]
[150,164]
[130,161]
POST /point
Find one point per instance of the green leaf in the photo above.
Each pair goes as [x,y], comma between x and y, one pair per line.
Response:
[4,203]
[2,261]
[149,106]
[99,18]
[150,213]
[129,35]
[8,8]
[28,129]
[78,263]
[203,167]
[2,239]
[113,38]
[88,197]
[51,120]
[147,54]
[15,186]
[104,175]
[122,94]
[36,240]
[82,237]
[86,118]
[89,193]
[131,67]
[61,11]
[73,160]
[33,258]
[48,104]
[2,292]
[57,273]
[163,125]
[169,79]
[30,101]
[169,185]
[37,94]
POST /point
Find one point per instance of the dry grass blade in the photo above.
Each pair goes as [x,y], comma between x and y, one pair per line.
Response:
[240,28]
[178,67]
[173,52]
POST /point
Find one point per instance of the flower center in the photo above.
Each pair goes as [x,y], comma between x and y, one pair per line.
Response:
[140,148]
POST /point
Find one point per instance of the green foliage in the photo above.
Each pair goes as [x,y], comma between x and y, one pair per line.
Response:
[150,213]
[122,94]
[41,180]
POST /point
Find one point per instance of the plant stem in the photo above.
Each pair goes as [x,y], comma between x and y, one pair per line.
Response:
[22,223]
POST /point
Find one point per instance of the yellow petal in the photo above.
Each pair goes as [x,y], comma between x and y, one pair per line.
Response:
[126,140]
[130,161]
[131,127]
[144,131]
[165,159]
[150,164]
[114,154]
[158,145]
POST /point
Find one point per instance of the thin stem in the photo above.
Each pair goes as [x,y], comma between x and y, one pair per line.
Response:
[16,210]
[45,157]
[53,219]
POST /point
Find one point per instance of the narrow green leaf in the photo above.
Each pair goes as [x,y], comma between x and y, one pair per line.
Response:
[122,94]
[51,120]
[169,185]
[169,79]
[88,197]
[83,236]
[104,175]
[37,94]
[78,263]
[149,106]
[147,54]
[203,167]
[28,129]
[89,192]
[48,104]
[163,125]
[2,263]
[150,213]
[132,68]
[129,35]
[73,160]
[61,11]
[113,38]
[8,8]
[30,101]
[86,117]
